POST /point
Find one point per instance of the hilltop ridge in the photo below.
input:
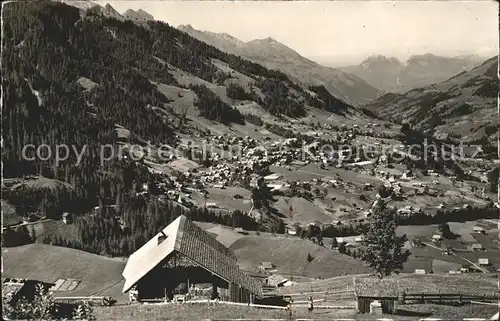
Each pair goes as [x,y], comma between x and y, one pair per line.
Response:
[275,55]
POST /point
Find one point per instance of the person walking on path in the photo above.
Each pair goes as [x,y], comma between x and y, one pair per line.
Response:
[310,305]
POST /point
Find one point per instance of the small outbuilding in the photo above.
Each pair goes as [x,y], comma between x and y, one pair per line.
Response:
[371,291]
[276,281]
[266,266]
[476,247]
[66,218]
[272,177]
[478,229]
[437,237]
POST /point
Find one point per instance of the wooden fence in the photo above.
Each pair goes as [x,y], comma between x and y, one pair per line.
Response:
[98,300]
[443,297]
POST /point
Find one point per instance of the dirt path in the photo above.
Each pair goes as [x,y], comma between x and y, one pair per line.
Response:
[31,223]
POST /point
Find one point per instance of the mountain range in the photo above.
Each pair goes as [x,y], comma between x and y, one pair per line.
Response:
[139,15]
[392,75]
[226,78]
[275,55]
[463,106]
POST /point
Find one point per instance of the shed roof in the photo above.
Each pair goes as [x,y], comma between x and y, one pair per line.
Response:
[184,237]
[276,280]
[375,287]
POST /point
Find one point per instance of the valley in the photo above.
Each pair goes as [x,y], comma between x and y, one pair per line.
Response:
[203,148]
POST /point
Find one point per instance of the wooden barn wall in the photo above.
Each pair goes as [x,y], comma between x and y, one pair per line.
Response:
[239,294]
[364,305]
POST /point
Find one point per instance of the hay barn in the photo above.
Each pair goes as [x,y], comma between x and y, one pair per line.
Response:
[185,261]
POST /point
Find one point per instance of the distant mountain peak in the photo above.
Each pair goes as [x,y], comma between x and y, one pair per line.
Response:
[376,57]
[186,27]
[146,14]
[273,54]
[221,40]
[228,36]
[108,9]
[381,58]
[376,62]
[138,15]
[264,40]
[419,70]
[426,56]
[80,4]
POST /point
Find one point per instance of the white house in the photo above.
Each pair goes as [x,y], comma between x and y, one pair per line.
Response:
[211,205]
[359,238]
[437,237]
[272,177]
[66,218]
[476,247]
[478,229]
[483,261]
[275,187]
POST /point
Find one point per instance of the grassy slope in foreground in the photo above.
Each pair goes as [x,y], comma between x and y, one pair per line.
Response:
[99,275]
[290,257]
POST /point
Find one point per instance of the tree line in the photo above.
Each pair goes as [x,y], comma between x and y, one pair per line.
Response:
[211,107]
[122,234]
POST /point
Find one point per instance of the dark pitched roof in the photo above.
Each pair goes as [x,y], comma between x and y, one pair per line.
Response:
[186,238]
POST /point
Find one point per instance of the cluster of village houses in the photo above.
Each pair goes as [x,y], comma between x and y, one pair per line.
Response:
[241,155]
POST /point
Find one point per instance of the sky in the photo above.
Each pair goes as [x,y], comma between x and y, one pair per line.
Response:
[342,32]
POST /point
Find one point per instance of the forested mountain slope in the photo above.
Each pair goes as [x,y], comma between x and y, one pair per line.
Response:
[81,78]
[50,47]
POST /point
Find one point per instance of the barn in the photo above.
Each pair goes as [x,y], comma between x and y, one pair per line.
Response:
[184,261]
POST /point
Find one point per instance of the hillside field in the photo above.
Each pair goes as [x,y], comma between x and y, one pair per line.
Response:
[98,275]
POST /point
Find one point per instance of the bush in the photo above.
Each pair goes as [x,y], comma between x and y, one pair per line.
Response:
[309,257]
[334,243]
[42,307]
[384,191]
[342,249]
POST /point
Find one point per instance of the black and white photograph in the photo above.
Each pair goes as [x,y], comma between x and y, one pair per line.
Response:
[250,160]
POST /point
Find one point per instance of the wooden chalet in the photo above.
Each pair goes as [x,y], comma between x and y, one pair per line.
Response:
[183,257]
